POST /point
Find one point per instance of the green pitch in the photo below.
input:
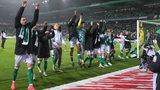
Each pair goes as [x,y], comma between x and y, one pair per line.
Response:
[54,78]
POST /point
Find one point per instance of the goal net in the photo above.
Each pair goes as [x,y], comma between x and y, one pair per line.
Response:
[146,34]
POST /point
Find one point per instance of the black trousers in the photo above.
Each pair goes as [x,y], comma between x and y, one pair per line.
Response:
[58,56]
[3,42]
[158,82]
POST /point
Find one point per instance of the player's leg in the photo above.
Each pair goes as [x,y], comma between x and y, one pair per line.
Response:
[88,55]
[30,71]
[95,53]
[121,51]
[72,44]
[54,58]
[45,66]
[100,56]
[79,53]
[112,54]
[18,61]
[3,41]
[108,55]
[82,52]
[112,51]
[103,48]
[78,50]
[39,64]
[59,59]
[91,58]
[33,57]
[127,52]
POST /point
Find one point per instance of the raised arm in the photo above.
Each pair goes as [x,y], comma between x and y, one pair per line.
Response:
[36,15]
[19,14]
[80,21]
[91,25]
[102,26]
[72,20]
[48,34]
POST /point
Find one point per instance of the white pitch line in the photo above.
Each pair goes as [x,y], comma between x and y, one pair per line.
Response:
[83,82]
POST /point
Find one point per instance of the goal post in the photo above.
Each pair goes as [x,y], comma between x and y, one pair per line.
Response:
[145,27]
[138,38]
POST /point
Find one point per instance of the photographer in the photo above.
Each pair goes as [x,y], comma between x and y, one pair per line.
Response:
[154,65]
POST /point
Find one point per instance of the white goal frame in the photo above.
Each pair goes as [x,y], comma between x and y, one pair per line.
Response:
[138,41]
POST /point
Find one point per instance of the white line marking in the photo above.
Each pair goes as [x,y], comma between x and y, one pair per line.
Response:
[83,82]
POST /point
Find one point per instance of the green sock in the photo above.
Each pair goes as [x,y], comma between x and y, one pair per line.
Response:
[30,75]
[99,59]
[121,54]
[53,59]
[86,59]
[90,62]
[33,67]
[107,60]
[71,57]
[39,64]
[79,57]
[110,59]
[127,53]
[15,74]
[103,60]
[45,66]
[112,54]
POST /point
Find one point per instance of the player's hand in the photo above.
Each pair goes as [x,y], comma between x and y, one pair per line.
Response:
[104,21]
[75,12]
[80,16]
[91,23]
[97,24]
[24,3]
[34,28]
[46,32]
[45,23]
[37,6]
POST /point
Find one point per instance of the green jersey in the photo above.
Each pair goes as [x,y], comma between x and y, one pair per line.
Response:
[81,34]
[109,39]
[103,38]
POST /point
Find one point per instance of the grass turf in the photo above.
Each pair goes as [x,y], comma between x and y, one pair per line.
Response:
[54,78]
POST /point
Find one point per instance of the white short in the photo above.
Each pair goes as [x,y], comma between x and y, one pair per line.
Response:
[74,41]
[52,52]
[33,57]
[105,49]
[22,59]
[97,50]
[90,52]
[121,46]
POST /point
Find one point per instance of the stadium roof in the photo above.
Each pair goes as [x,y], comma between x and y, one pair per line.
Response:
[61,10]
